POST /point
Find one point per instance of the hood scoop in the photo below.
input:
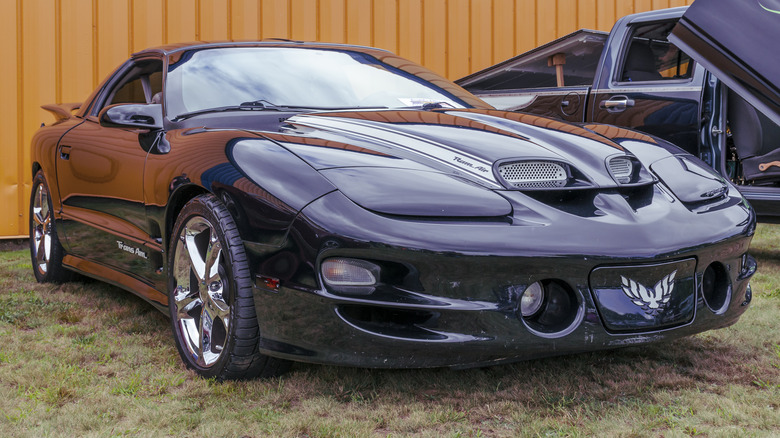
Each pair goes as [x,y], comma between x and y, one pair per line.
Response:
[534,174]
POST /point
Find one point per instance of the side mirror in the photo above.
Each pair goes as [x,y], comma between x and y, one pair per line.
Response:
[132,115]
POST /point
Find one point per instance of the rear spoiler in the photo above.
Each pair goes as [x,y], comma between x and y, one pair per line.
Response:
[62,111]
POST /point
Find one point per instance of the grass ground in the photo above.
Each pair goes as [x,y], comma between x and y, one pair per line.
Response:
[87,359]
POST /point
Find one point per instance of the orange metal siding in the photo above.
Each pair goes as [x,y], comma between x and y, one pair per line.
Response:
[59,50]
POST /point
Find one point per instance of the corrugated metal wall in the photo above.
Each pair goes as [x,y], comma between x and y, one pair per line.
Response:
[59,50]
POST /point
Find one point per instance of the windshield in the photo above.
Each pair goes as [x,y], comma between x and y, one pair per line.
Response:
[298,77]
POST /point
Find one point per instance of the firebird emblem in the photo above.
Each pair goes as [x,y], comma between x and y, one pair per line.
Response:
[649,299]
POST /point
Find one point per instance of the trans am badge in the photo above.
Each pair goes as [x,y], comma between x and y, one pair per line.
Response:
[131,249]
[651,300]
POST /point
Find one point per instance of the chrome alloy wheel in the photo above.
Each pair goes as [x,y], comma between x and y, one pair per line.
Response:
[202,313]
[41,229]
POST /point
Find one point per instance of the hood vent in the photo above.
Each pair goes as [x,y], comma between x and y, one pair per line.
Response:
[534,174]
[622,169]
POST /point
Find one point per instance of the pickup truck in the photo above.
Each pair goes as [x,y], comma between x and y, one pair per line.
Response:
[686,93]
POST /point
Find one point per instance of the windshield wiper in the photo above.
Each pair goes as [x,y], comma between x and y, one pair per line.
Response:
[264,105]
[256,105]
[431,106]
[220,109]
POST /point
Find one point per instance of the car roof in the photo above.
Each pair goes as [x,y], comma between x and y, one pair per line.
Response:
[169,49]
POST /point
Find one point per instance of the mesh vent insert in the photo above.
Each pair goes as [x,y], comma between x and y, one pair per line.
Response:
[621,169]
[533,174]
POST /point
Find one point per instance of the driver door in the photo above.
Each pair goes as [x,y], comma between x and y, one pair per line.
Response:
[100,177]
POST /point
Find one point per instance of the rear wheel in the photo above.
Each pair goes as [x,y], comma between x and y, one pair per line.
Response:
[210,296]
[45,248]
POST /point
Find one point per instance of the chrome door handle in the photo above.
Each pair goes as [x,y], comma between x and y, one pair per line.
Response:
[617,103]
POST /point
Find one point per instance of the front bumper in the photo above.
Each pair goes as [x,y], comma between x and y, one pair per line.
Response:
[460,308]
[483,325]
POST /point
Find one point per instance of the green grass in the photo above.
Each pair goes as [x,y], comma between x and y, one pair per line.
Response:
[87,359]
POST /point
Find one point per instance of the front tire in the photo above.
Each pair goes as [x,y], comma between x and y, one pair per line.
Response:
[46,251]
[210,296]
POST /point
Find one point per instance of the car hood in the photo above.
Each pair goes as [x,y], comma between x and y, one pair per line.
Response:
[464,162]
[733,39]
[468,144]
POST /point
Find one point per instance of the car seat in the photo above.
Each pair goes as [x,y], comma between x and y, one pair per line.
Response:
[756,138]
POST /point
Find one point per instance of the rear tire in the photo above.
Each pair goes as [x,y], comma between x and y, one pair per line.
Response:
[210,296]
[46,251]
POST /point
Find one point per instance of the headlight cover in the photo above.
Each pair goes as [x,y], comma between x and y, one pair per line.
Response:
[689,179]
[419,193]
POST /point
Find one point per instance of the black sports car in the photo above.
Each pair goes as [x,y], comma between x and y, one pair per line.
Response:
[339,204]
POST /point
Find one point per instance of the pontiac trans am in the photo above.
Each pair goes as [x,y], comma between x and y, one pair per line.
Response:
[287,201]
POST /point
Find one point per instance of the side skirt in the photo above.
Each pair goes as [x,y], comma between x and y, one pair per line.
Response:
[99,272]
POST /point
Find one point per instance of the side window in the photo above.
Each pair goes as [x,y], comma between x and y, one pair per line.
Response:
[130,92]
[155,81]
[571,60]
[139,85]
[651,57]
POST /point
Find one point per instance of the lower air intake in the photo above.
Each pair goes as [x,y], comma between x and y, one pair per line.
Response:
[533,174]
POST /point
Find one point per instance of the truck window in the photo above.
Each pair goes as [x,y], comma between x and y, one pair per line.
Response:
[651,57]
[568,61]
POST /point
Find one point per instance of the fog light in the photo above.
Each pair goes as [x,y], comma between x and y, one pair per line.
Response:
[550,308]
[532,299]
[349,272]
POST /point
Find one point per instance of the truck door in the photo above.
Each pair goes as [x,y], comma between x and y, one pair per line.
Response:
[648,84]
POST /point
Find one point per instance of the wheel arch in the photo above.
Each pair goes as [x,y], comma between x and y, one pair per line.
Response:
[178,199]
